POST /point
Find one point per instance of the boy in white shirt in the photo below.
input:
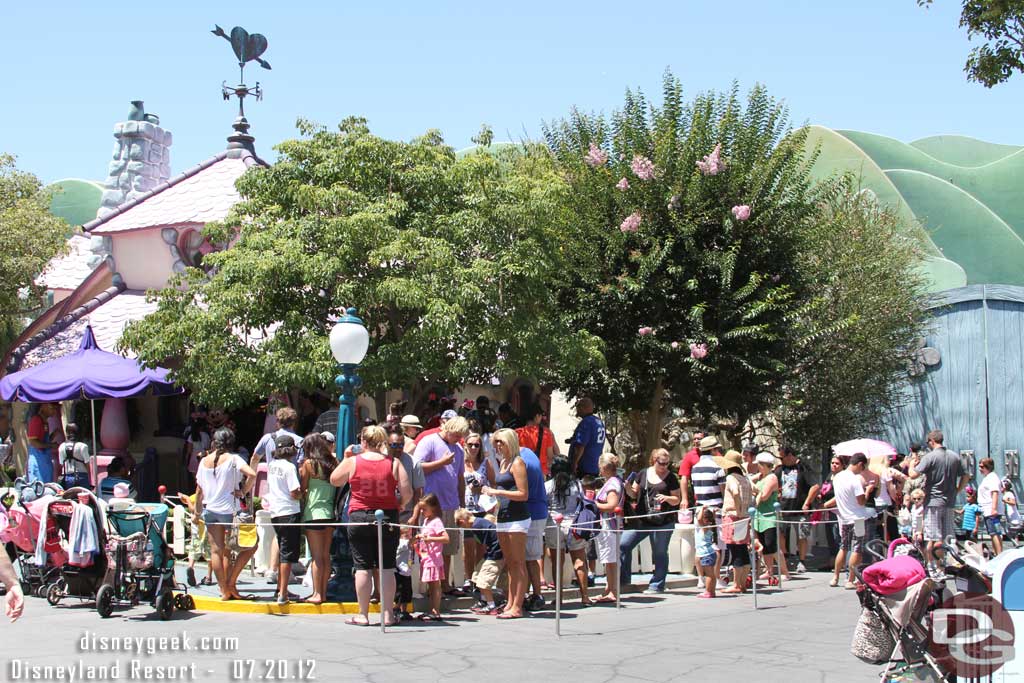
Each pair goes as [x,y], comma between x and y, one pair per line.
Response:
[990,499]
[283,494]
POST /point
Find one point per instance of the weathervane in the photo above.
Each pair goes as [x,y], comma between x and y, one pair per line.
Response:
[247,48]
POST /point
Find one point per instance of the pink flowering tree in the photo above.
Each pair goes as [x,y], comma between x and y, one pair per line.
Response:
[686,227]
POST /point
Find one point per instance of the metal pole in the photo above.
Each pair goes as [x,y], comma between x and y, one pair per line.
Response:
[558,579]
[752,513]
[379,516]
[95,453]
[618,560]
[779,526]
[348,381]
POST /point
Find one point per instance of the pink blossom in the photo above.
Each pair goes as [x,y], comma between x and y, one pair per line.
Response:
[632,222]
[673,203]
[712,164]
[644,331]
[642,167]
[596,156]
[622,184]
[674,345]
[698,351]
[741,212]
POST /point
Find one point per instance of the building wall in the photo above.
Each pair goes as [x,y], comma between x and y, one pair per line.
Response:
[143,259]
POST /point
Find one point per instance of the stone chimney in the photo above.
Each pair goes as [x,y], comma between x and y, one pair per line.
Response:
[141,160]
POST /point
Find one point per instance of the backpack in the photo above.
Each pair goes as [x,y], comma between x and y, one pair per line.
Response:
[586,522]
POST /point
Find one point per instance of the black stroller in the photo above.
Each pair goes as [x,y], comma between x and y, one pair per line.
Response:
[77,581]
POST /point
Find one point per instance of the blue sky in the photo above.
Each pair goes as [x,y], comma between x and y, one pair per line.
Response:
[71,70]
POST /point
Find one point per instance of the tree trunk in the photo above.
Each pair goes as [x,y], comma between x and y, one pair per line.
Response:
[652,437]
[380,401]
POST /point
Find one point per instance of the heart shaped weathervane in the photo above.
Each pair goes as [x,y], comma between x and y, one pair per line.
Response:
[247,48]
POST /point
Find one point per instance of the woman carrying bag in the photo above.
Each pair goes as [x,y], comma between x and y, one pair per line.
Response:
[657,493]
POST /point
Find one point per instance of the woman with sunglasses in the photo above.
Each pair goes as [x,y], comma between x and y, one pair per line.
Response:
[475,476]
[657,493]
[512,490]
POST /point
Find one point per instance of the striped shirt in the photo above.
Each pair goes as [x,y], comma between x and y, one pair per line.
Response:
[708,482]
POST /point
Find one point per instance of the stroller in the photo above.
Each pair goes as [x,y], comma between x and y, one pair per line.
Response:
[24,521]
[895,625]
[141,563]
[84,578]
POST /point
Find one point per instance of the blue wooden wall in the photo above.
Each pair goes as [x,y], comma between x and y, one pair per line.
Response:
[975,395]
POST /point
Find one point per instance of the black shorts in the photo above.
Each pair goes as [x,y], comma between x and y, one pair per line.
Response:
[317,524]
[362,540]
[739,554]
[289,536]
[769,541]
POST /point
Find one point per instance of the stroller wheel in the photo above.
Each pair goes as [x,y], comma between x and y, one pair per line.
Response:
[105,601]
[54,593]
[40,591]
[165,606]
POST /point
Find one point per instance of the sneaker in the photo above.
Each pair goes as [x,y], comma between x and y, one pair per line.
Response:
[190,573]
[271,577]
[653,591]
[800,568]
[534,603]
[282,599]
[591,581]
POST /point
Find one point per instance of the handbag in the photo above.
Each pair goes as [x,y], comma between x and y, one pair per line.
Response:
[137,549]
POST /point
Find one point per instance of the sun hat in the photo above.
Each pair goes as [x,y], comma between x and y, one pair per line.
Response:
[765,458]
[411,421]
[732,460]
[708,443]
[449,415]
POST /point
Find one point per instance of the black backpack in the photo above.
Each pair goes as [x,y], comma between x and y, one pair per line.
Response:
[586,522]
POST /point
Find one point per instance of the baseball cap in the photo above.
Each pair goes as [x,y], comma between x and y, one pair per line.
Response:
[449,414]
[283,441]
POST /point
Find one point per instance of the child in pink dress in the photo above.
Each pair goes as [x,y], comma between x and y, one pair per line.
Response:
[432,538]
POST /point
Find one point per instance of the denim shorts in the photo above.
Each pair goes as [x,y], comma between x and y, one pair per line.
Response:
[709,560]
[994,524]
[211,517]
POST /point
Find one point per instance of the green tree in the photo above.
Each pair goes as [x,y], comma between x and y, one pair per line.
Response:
[447,261]
[30,236]
[1001,24]
[701,259]
[863,326]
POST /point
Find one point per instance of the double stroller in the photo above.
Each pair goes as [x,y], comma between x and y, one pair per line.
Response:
[141,563]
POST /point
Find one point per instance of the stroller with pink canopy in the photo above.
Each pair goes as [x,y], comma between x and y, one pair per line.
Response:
[24,517]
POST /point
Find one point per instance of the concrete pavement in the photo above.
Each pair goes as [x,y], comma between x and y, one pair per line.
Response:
[800,633]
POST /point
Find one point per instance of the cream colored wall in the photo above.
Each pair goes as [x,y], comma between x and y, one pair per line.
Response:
[143,259]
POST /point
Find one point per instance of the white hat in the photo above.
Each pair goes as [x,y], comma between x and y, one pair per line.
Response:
[411,421]
[449,415]
[765,458]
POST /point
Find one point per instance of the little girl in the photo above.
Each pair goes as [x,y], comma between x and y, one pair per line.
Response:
[707,553]
[432,538]
[917,515]
[972,511]
[905,519]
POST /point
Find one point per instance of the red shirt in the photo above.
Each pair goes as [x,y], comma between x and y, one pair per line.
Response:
[425,433]
[37,428]
[689,460]
[528,439]
[373,485]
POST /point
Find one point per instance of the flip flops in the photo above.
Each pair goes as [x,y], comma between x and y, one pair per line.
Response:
[426,616]
[353,621]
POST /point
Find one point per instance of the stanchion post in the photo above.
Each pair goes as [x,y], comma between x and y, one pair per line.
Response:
[752,513]
[379,516]
[779,526]
[558,578]
[618,559]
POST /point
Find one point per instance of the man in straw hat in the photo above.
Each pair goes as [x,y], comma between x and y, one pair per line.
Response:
[411,427]
[708,479]
[738,495]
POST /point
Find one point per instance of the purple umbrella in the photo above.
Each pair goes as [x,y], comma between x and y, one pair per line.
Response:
[90,372]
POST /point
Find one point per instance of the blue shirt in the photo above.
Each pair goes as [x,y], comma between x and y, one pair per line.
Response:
[706,543]
[590,434]
[486,533]
[537,503]
[971,511]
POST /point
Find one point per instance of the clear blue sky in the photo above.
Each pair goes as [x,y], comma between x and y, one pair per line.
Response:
[71,68]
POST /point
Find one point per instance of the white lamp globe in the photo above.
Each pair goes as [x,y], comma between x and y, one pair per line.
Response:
[349,339]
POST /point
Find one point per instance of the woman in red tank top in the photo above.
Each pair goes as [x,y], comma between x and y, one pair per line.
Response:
[373,478]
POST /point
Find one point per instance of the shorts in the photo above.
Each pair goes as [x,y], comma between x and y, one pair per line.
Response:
[217,518]
[739,554]
[938,523]
[708,560]
[73,479]
[362,540]
[849,540]
[569,542]
[486,575]
[769,541]
[316,524]
[795,513]
[994,525]
[518,526]
[454,544]
[289,535]
[535,539]
[607,552]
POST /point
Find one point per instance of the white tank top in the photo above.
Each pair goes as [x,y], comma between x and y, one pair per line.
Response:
[219,484]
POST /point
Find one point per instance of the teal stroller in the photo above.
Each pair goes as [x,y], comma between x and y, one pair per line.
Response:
[140,563]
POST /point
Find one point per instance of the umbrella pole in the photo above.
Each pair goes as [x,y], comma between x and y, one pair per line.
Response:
[95,453]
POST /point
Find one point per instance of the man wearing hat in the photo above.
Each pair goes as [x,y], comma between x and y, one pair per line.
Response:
[738,496]
[445,416]
[411,426]
[708,480]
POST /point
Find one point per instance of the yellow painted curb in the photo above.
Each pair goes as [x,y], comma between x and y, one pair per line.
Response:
[207,604]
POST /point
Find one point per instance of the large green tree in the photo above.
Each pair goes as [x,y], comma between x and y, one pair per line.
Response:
[448,261]
[1000,23]
[30,236]
[701,253]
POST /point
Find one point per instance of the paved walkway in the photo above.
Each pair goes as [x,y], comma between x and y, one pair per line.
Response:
[800,633]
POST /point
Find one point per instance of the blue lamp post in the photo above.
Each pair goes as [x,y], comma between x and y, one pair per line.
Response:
[349,342]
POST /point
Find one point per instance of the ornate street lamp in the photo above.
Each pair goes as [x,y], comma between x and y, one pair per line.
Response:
[349,342]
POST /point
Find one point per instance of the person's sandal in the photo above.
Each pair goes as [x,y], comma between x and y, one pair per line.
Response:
[834,583]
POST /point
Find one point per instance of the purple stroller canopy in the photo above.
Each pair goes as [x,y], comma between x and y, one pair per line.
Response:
[90,372]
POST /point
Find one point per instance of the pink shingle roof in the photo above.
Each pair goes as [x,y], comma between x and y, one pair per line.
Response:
[68,271]
[108,322]
[199,195]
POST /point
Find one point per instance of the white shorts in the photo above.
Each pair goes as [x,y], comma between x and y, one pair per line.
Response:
[519,526]
[535,539]
[569,541]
